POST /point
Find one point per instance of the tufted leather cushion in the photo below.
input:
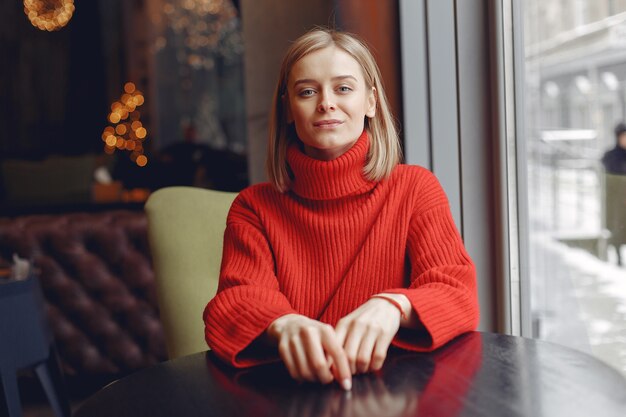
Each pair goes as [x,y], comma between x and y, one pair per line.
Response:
[96,275]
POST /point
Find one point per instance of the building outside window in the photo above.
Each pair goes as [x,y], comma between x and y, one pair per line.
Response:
[574,92]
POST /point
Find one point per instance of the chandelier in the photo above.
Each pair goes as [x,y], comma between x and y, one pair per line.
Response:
[49,15]
[200,27]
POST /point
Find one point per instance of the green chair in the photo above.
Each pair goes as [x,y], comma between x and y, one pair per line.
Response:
[185,230]
[615,205]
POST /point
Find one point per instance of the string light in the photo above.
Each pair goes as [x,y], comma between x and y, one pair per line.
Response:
[49,15]
[141,160]
[124,134]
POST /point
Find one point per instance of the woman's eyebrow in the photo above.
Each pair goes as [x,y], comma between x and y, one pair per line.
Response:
[344,77]
[304,81]
[336,78]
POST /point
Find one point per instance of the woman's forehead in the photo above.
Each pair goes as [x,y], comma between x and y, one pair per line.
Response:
[325,63]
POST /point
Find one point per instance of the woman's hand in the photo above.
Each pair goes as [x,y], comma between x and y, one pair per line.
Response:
[310,350]
[367,332]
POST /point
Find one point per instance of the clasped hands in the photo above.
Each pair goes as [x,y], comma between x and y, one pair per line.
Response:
[315,351]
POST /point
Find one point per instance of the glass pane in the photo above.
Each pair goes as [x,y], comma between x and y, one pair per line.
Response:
[575,94]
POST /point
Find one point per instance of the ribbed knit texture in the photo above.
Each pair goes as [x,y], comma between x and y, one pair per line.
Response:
[332,241]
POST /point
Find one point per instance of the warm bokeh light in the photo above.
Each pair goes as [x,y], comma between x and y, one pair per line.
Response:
[114,118]
[49,15]
[142,160]
[111,140]
[126,135]
[141,132]
[129,87]
[120,129]
[198,24]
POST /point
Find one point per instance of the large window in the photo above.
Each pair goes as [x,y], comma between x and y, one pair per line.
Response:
[574,95]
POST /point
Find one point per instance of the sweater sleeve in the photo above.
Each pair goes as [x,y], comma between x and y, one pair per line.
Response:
[442,288]
[248,297]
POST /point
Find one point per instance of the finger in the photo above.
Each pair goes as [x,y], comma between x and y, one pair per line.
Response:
[344,377]
[337,359]
[352,344]
[316,360]
[380,352]
[365,352]
[331,366]
[300,359]
[288,359]
[341,332]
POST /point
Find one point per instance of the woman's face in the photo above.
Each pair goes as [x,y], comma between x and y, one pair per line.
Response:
[621,140]
[328,100]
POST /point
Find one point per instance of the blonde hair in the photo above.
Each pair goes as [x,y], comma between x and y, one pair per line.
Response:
[384,152]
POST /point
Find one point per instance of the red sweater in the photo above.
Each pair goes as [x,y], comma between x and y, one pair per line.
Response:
[324,247]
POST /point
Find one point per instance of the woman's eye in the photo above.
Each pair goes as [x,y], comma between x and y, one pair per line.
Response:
[344,89]
[307,92]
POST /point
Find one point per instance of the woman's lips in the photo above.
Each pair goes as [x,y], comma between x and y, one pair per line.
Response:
[327,124]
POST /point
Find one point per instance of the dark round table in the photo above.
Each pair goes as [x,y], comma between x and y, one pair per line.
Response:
[477,374]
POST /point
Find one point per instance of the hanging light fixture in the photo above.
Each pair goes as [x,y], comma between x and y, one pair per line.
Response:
[49,15]
[200,26]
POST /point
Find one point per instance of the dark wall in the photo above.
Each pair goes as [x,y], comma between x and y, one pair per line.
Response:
[53,84]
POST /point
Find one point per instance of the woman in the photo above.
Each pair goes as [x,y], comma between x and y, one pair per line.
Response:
[345,251]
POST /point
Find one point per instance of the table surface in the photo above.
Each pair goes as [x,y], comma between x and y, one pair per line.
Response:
[477,374]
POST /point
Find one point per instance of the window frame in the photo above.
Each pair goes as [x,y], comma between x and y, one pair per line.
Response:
[462,124]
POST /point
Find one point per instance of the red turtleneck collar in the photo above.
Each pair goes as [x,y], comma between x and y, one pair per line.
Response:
[328,180]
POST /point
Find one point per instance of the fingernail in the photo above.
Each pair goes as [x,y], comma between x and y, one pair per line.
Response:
[346,384]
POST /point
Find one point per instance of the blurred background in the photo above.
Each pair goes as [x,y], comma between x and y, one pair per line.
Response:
[145,93]
[104,101]
[574,89]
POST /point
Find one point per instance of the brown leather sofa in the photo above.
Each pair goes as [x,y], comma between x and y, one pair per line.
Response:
[97,279]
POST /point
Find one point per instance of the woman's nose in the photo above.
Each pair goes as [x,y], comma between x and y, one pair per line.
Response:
[326,103]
